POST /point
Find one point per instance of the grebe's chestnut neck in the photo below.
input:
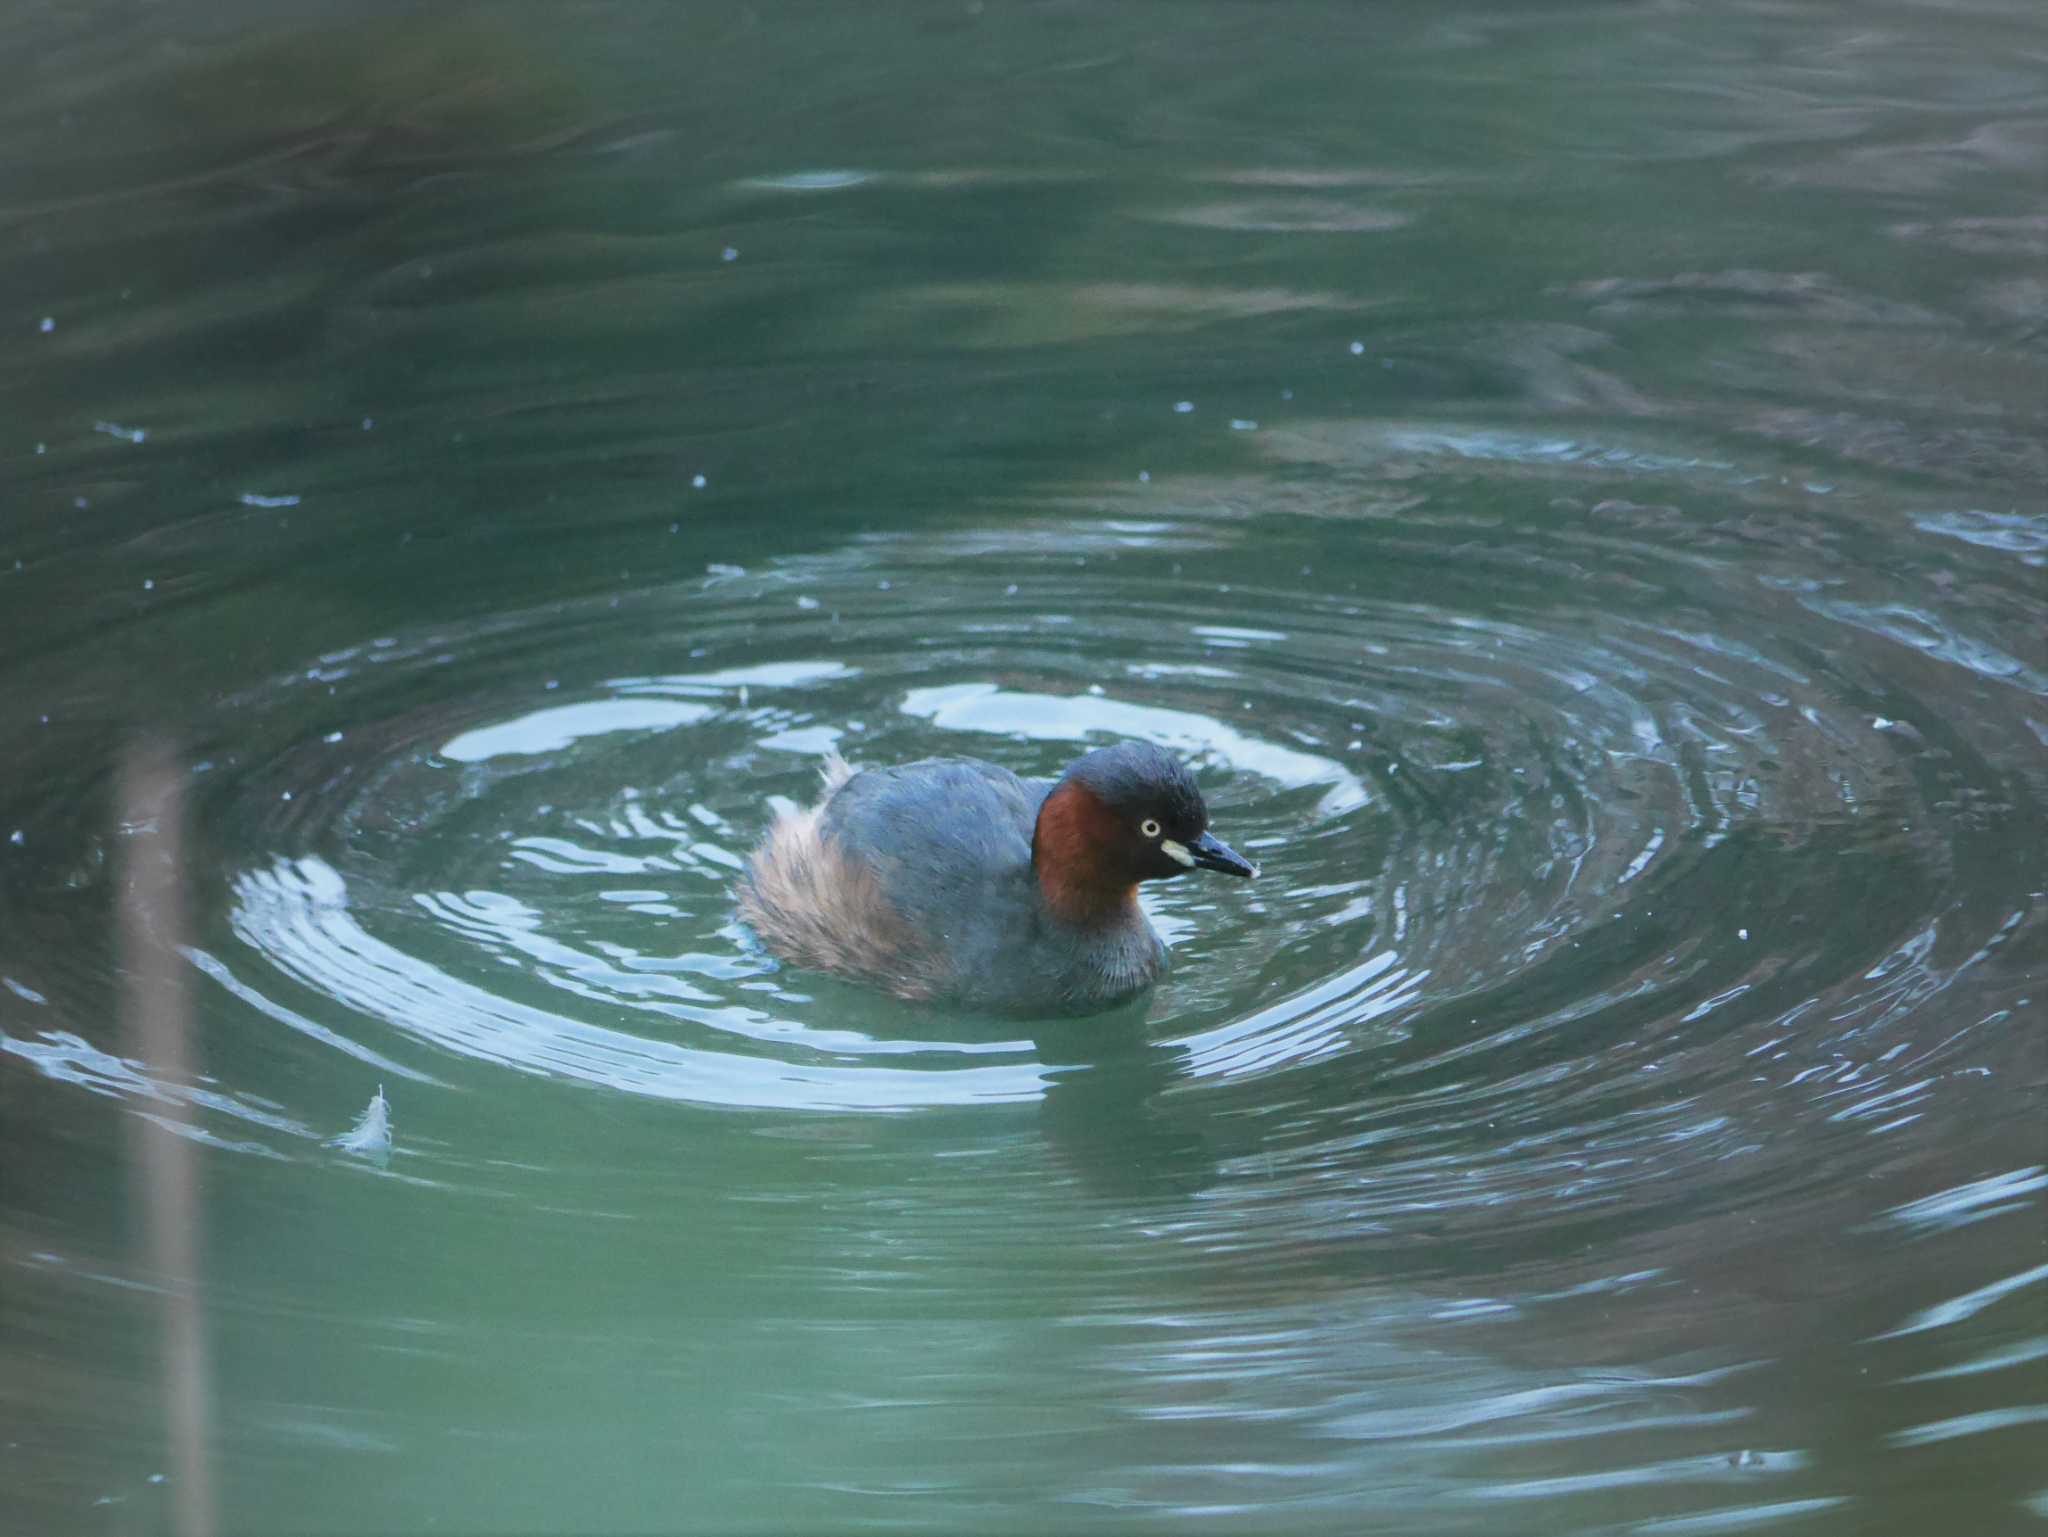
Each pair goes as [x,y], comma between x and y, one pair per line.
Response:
[1119,816]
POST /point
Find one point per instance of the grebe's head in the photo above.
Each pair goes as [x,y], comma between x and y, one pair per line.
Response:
[1119,816]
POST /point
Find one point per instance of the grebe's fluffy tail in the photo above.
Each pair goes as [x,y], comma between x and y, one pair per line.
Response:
[821,910]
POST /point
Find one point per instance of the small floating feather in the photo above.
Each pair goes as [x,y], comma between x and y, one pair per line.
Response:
[370,1137]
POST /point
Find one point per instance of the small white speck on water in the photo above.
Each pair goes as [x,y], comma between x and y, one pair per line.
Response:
[284,795]
[806,601]
[1095,689]
[368,423]
[1879,723]
[1010,591]
[675,528]
[1183,406]
[552,683]
[331,738]
[882,585]
[1354,744]
[17,839]
[1358,349]
[156,1478]
[47,324]
[81,502]
[1144,476]
[1287,394]
[42,448]
[116,430]
[730,254]
[1742,934]
[1243,424]
[258,499]
[698,482]
[149,584]
[743,696]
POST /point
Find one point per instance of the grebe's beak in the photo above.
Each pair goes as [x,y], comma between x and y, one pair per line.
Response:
[1214,854]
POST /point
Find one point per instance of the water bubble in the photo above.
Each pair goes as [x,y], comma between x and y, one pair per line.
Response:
[1183,406]
[1358,349]
[47,324]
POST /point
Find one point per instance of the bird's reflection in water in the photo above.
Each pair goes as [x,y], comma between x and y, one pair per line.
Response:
[1106,1114]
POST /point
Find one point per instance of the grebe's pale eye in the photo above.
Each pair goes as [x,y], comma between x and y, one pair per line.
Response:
[1149,828]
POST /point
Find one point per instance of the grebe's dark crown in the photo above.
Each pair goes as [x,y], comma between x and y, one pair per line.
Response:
[1138,778]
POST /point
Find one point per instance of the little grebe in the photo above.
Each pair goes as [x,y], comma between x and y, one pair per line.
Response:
[952,879]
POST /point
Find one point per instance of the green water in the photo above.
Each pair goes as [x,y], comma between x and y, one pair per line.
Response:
[1569,478]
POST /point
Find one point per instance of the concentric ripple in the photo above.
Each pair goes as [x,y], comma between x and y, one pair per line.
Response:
[1633,903]
[1596,887]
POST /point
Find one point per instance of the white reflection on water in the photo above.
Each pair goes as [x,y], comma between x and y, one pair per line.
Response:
[1969,1305]
[642,704]
[296,914]
[986,707]
[545,731]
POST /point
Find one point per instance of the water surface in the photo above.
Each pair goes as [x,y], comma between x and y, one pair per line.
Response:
[1568,479]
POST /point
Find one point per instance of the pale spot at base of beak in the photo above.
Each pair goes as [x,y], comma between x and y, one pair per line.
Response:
[1177,851]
